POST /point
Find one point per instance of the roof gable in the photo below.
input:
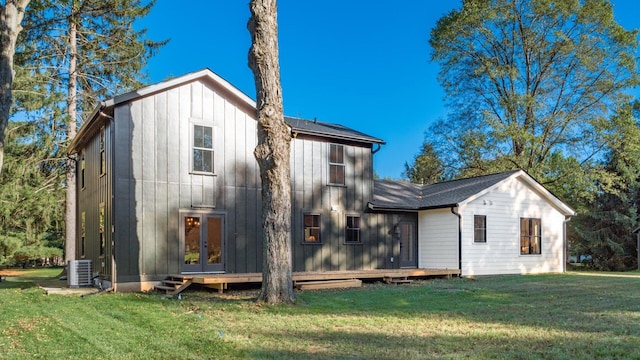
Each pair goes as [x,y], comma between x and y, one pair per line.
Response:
[405,196]
[297,125]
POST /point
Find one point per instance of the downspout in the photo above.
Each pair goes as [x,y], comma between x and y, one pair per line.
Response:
[459,238]
[567,218]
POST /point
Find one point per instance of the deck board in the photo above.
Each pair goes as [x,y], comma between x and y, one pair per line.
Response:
[208,279]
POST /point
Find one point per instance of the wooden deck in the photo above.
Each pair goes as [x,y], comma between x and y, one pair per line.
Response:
[220,281]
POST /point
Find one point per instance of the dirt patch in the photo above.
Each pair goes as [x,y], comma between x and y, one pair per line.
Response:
[9,272]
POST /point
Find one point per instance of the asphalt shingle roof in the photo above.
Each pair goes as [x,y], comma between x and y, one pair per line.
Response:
[313,127]
[402,195]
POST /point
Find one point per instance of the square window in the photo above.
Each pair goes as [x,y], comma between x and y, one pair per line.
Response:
[311,228]
[480,228]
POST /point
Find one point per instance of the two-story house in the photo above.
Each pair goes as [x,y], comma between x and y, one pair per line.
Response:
[168,184]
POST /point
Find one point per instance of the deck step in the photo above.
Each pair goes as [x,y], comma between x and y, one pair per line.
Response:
[173,285]
[328,284]
[397,280]
[166,288]
[173,282]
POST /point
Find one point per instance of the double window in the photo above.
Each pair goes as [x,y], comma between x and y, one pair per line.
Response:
[530,236]
[352,232]
[202,149]
[336,164]
[480,228]
[312,228]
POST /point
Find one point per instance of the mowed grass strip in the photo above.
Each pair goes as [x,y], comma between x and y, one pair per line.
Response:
[572,316]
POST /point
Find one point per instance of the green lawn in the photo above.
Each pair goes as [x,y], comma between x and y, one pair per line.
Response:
[573,316]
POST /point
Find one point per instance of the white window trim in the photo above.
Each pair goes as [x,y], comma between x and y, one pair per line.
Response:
[192,124]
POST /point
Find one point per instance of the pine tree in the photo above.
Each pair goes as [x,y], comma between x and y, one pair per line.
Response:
[11,15]
[73,54]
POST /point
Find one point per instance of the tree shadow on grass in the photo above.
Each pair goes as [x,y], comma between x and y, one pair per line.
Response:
[426,344]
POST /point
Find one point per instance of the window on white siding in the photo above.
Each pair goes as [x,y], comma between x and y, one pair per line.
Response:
[530,236]
[336,164]
[480,228]
[202,149]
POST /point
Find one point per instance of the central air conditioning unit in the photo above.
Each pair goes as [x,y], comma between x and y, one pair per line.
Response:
[79,273]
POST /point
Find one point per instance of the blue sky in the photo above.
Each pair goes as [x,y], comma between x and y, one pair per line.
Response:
[363,64]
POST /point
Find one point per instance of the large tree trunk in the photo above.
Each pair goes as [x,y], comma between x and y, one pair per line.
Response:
[72,102]
[11,15]
[272,154]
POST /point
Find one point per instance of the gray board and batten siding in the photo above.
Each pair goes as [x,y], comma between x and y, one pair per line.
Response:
[149,184]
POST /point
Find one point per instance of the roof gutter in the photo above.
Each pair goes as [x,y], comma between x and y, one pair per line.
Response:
[459,237]
[373,207]
[338,137]
[95,115]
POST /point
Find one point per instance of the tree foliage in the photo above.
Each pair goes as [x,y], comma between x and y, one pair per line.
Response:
[605,229]
[31,195]
[540,85]
[531,84]
[70,55]
[11,15]
[426,166]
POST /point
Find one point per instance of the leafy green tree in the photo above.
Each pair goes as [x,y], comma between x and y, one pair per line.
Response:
[73,54]
[31,195]
[605,229]
[532,84]
[426,167]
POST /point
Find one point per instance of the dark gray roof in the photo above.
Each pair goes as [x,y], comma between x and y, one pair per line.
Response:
[336,131]
[402,195]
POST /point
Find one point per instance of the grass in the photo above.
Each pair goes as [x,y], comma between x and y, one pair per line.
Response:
[573,316]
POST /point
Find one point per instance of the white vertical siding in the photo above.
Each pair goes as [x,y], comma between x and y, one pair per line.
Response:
[503,207]
[437,239]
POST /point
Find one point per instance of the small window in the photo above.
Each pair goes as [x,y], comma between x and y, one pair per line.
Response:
[83,234]
[480,228]
[103,159]
[82,167]
[311,228]
[202,149]
[101,229]
[530,236]
[352,235]
[336,164]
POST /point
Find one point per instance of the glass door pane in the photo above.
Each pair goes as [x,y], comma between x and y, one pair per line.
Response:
[214,240]
[191,240]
